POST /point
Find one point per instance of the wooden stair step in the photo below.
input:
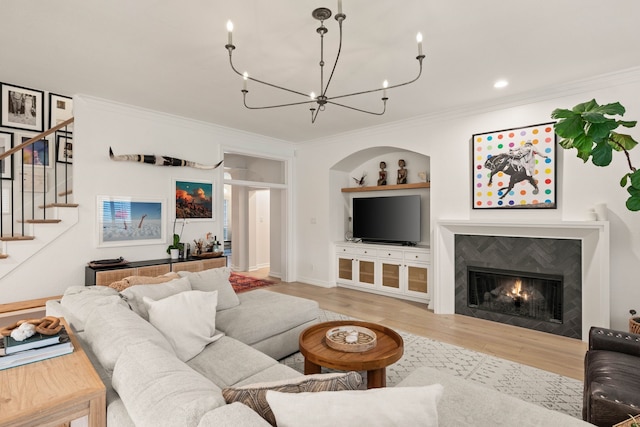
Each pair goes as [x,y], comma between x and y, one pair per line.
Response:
[64,193]
[4,256]
[59,205]
[16,237]
[41,221]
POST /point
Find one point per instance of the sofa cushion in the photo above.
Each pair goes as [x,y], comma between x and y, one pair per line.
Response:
[127,282]
[134,294]
[228,361]
[233,415]
[81,301]
[214,279]
[159,390]
[404,406]
[263,314]
[254,395]
[186,319]
[110,329]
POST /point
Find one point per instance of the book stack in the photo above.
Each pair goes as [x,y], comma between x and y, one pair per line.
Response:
[35,348]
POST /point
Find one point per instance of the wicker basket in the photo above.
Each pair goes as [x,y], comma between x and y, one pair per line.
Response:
[634,325]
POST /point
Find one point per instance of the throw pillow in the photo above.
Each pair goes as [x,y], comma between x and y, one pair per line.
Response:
[134,294]
[187,320]
[400,406]
[214,279]
[254,395]
[127,282]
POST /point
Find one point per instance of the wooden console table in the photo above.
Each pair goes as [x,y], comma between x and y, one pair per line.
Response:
[53,392]
[155,267]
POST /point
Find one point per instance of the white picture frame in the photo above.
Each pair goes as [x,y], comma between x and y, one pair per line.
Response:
[130,221]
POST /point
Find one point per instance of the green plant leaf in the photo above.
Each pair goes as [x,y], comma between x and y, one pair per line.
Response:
[602,154]
[594,117]
[625,141]
[566,143]
[600,131]
[585,106]
[561,113]
[633,203]
[570,127]
[633,191]
[635,179]
[624,180]
[627,124]
[613,109]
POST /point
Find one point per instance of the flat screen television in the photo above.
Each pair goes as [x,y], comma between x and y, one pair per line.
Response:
[394,219]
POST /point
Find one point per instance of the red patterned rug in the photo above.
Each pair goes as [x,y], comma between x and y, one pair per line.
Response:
[243,283]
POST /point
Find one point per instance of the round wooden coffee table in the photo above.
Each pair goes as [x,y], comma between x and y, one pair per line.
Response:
[317,353]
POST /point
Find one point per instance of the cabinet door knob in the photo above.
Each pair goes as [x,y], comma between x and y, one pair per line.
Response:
[416,256]
[389,254]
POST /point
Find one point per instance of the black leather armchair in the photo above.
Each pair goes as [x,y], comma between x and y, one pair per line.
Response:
[611,377]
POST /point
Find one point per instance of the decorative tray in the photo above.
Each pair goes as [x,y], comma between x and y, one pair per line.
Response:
[208,255]
[352,339]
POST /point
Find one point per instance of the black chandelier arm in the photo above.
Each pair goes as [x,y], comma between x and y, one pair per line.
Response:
[419,58]
[260,81]
[384,108]
[244,93]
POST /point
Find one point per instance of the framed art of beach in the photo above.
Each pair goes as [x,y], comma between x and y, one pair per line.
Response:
[515,168]
[36,154]
[21,108]
[193,200]
[130,221]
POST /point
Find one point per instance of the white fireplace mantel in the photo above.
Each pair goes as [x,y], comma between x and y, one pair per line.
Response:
[595,260]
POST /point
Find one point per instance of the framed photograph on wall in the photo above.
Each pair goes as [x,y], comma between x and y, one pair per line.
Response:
[193,200]
[37,153]
[6,164]
[21,108]
[60,109]
[130,221]
[64,147]
[515,168]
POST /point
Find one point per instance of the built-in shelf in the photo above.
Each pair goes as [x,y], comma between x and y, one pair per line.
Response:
[387,187]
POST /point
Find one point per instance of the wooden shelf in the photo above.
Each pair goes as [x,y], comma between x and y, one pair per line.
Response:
[387,187]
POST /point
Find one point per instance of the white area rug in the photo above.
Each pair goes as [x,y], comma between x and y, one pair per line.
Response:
[533,385]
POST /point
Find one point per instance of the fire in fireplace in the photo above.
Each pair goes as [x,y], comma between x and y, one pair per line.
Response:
[516,293]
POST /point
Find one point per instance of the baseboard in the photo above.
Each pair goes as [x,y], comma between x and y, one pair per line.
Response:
[316,282]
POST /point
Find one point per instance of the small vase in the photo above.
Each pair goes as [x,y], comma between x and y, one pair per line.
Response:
[175,253]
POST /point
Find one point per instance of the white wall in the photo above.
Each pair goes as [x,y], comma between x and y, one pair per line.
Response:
[128,130]
[446,140]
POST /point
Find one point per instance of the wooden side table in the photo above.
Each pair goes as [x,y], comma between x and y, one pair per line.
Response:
[53,392]
[317,353]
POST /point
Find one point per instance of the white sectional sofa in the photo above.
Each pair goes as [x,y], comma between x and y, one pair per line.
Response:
[149,383]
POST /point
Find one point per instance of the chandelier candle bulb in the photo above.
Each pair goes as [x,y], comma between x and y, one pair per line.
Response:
[230,31]
[418,39]
[245,76]
[385,84]
[339,6]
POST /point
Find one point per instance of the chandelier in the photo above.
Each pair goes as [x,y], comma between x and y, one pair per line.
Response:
[318,102]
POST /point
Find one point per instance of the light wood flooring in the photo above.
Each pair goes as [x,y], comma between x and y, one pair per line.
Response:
[561,355]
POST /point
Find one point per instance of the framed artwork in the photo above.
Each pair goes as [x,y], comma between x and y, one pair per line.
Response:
[21,108]
[35,181]
[37,153]
[515,168]
[64,147]
[130,221]
[193,200]
[6,164]
[60,109]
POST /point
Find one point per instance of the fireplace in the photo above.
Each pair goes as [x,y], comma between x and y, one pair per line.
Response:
[586,283]
[516,293]
[529,282]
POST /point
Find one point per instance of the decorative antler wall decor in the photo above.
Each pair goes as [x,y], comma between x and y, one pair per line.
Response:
[160,160]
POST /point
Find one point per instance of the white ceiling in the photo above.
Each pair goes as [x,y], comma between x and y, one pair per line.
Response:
[170,56]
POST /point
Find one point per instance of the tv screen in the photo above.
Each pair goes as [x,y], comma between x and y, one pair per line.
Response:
[394,219]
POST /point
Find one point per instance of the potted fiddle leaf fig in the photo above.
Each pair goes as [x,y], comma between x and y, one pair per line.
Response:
[589,128]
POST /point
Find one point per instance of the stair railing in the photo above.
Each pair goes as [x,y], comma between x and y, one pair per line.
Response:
[26,151]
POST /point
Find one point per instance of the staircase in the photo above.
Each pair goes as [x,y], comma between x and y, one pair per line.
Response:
[33,215]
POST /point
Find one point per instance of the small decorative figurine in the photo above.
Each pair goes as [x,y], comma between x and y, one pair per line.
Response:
[402,172]
[361,181]
[382,175]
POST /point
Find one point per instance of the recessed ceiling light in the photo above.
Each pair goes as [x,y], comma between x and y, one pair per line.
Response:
[500,84]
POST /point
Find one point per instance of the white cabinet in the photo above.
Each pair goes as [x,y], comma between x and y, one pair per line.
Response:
[385,269]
